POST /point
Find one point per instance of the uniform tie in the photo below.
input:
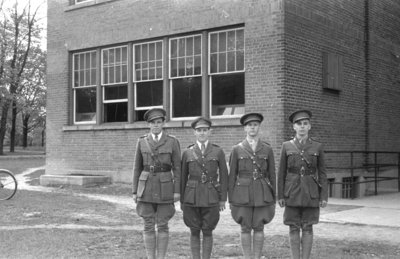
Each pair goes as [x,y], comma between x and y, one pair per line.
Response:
[203,148]
[156,137]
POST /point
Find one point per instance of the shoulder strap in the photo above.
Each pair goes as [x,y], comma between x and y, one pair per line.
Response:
[154,155]
[196,157]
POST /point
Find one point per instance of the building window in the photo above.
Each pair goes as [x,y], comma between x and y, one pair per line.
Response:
[185,76]
[226,70]
[332,71]
[219,85]
[331,187]
[347,187]
[81,1]
[115,84]
[148,77]
[84,86]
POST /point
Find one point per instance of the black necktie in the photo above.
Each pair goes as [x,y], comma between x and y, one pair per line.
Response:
[203,148]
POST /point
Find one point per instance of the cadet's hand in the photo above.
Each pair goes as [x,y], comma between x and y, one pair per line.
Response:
[134,196]
[323,204]
[177,197]
[282,203]
[221,205]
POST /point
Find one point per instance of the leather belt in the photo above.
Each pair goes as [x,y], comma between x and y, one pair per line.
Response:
[157,169]
[201,178]
[255,175]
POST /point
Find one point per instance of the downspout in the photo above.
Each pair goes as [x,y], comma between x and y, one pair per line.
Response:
[367,73]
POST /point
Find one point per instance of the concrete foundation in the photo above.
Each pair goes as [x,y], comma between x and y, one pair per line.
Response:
[80,180]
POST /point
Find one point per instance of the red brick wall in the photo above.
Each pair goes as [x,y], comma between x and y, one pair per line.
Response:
[108,149]
[284,41]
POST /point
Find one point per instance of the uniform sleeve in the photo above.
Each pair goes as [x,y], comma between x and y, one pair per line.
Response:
[184,174]
[233,171]
[223,175]
[137,168]
[322,174]
[271,170]
[282,172]
[176,165]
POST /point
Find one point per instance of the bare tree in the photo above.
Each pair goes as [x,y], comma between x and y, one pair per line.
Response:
[20,32]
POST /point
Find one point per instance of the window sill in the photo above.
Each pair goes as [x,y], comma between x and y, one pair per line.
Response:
[143,125]
[86,4]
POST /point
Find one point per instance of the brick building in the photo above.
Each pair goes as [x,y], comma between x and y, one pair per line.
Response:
[111,60]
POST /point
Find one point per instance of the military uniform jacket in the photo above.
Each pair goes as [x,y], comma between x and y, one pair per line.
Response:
[204,180]
[157,169]
[252,181]
[302,175]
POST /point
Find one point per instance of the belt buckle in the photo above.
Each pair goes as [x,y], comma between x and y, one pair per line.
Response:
[152,169]
[203,178]
[302,171]
[255,175]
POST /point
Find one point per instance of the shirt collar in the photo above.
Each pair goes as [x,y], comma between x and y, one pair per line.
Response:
[159,136]
[199,144]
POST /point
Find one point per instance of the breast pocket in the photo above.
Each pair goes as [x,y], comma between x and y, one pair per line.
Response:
[263,161]
[241,191]
[245,164]
[164,155]
[313,156]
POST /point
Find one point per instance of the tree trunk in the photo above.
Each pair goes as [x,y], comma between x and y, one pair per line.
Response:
[13,123]
[3,124]
[25,121]
[43,131]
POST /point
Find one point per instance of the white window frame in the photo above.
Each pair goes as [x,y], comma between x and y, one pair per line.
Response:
[102,66]
[180,77]
[135,81]
[222,73]
[74,88]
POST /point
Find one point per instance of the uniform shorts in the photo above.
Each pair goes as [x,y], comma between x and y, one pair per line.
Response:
[160,212]
[252,217]
[299,216]
[201,218]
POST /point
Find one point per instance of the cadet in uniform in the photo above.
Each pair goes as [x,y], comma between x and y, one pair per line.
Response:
[302,184]
[156,182]
[251,186]
[204,184]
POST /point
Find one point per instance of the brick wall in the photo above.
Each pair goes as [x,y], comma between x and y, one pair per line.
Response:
[106,149]
[284,42]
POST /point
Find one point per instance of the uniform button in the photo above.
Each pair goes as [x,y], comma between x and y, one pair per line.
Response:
[254,162]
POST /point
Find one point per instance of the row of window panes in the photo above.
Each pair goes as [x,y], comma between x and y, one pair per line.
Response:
[227,90]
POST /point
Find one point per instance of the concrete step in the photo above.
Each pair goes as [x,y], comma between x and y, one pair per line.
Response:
[80,180]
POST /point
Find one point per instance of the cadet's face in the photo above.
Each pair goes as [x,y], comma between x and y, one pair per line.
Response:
[252,128]
[202,134]
[156,125]
[302,127]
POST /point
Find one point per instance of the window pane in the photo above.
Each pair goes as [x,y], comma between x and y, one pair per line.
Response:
[81,78]
[76,79]
[93,76]
[105,75]
[213,42]
[181,67]
[124,54]
[85,104]
[174,48]
[174,68]
[197,65]
[118,74]
[87,77]
[76,62]
[222,62]
[231,61]
[117,55]
[222,42]
[189,66]
[81,62]
[111,75]
[189,46]
[152,51]
[115,92]
[124,73]
[240,39]
[214,63]
[116,112]
[227,94]
[105,57]
[239,60]
[111,56]
[181,47]
[186,97]
[197,45]
[159,50]
[138,56]
[231,41]
[149,93]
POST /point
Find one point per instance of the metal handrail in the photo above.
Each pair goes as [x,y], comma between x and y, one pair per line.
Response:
[375,165]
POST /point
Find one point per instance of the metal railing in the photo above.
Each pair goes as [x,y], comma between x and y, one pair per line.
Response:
[364,161]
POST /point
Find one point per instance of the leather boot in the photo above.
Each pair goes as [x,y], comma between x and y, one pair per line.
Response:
[258,243]
[195,246]
[245,239]
[306,244]
[162,244]
[207,246]
[150,244]
[294,239]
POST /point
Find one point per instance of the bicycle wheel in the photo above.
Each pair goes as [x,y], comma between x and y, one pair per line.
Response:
[8,185]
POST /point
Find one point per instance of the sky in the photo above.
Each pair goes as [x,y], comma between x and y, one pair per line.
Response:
[41,14]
